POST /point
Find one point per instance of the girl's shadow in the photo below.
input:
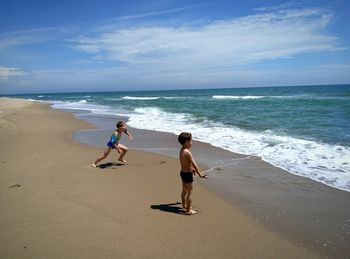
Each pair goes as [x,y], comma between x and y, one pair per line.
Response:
[110,165]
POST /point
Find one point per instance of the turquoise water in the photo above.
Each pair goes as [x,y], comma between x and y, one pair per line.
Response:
[304,129]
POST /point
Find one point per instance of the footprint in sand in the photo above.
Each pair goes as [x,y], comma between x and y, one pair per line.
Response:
[15,185]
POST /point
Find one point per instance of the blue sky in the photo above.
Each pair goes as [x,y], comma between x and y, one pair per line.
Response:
[103,45]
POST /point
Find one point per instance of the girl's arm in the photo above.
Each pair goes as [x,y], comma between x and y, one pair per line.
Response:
[128,134]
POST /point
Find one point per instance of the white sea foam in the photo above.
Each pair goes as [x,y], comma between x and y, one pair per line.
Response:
[304,97]
[82,105]
[237,97]
[329,164]
[325,163]
[140,98]
[113,99]
[176,97]
[79,105]
[154,97]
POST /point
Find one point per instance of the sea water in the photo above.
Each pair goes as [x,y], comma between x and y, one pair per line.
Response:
[302,129]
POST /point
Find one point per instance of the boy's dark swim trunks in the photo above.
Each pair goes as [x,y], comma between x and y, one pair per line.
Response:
[187,177]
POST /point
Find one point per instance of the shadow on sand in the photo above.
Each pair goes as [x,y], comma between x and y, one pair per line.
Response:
[170,207]
[110,165]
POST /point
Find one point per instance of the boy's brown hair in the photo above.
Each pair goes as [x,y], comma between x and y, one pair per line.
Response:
[184,137]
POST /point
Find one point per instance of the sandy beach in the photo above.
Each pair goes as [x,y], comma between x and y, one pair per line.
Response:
[54,205]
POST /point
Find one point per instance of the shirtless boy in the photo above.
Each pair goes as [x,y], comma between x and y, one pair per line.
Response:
[188,169]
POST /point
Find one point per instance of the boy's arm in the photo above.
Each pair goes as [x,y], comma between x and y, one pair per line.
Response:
[195,167]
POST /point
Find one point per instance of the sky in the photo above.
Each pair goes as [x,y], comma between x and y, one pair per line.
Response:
[118,45]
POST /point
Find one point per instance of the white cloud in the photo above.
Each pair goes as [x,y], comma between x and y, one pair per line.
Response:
[8,72]
[215,54]
[143,15]
[32,36]
[226,43]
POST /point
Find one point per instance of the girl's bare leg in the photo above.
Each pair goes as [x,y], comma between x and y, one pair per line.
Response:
[105,154]
[123,150]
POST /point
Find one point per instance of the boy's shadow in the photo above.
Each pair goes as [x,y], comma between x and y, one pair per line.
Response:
[170,207]
[109,165]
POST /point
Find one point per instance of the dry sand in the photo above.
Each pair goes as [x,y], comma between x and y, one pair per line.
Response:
[54,205]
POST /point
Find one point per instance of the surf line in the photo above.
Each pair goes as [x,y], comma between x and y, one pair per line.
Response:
[229,164]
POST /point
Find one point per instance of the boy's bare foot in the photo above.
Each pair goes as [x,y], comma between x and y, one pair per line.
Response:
[94,165]
[122,160]
[191,212]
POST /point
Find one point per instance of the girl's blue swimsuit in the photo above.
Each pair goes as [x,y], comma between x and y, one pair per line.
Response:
[112,141]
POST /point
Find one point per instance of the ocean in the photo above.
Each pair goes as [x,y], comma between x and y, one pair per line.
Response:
[302,129]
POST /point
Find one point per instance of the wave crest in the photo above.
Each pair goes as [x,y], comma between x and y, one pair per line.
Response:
[237,97]
[140,98]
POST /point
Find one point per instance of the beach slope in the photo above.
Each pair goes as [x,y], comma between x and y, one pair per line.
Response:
[54,205]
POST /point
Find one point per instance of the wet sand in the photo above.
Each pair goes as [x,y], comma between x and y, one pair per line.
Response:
[306,212]
[54,205]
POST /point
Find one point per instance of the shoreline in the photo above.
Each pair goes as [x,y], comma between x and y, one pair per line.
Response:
[298,208]
[55,205]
